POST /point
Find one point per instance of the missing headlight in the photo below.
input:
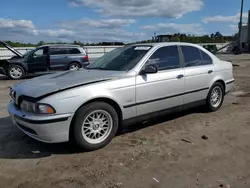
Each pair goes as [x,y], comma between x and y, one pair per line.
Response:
[28,106]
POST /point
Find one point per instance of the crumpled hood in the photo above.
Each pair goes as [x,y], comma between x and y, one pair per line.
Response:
[47,84]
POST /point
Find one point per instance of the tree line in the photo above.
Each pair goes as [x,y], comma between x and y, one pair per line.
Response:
[212,38]
[20,44]
[180,37]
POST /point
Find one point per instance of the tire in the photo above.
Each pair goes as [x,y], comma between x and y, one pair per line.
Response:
[83,131]
[211,103]
[16,72]
[74,66]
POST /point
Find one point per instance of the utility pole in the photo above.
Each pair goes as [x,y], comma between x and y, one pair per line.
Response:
[248,32]
[240,24]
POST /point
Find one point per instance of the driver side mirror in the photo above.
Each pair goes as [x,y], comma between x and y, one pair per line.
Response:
[33,55]
[150,69]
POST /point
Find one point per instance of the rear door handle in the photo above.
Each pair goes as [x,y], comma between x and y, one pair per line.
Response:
[210,71]
[180,76]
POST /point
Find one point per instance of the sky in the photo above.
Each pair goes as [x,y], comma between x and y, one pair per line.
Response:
[115,20]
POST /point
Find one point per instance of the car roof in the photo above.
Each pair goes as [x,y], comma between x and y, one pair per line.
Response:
[61,45]
[165,44]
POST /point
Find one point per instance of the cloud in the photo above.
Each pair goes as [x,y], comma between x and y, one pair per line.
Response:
[93,30]
[233,27]
[142,8]
[86,30]
[219,18]
[12,27]
[193,28]
[8,23]
[59,33]
[108,23]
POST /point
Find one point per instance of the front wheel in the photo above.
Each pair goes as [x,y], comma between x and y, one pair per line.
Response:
[215,97]
[15,72]
[95,125]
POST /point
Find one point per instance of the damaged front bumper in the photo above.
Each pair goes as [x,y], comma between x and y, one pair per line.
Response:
[48,129]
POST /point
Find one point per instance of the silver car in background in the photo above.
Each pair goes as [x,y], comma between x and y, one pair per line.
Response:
[127,85]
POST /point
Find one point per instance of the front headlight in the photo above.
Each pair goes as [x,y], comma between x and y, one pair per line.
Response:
[37,108]
[28,106]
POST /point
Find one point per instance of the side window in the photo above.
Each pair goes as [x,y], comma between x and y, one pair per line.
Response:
[165,58]
[40,52]
[58,51]
[192,56]
[207,60]
[74,51]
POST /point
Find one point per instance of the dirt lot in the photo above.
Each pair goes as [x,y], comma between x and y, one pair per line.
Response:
[149,155]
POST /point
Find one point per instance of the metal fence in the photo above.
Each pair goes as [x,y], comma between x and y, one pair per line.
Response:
[95,52]
[92,51]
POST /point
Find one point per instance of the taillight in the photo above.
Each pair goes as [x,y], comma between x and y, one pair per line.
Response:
[86,58]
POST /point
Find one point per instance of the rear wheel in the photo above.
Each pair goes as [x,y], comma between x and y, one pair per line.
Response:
[95,125]
[15,72]
[74,66]
[215,97]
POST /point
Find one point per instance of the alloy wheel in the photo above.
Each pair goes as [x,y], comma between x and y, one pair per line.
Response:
[97,126]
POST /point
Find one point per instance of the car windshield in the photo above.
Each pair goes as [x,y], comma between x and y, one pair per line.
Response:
[28,52]
[120,59]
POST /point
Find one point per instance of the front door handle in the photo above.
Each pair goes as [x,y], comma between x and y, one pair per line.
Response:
[210,71]
[180,76]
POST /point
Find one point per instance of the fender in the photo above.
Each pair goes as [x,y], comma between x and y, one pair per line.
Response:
[216,79]
[19,61]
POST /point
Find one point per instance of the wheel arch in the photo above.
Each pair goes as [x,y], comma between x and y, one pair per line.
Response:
[18,64]
[220,81]
[210,107]
[223,83]
[74,61]
[107,100]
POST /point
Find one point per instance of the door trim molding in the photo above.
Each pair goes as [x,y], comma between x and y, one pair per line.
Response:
[163,98]
[152,115]
[230,82]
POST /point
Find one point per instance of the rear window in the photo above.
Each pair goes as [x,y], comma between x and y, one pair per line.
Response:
[192,56]
[206,58]
[58,51]
[74,51]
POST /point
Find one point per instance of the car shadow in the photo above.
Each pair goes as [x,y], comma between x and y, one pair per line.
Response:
[14,144]
[2,77]
[160,119]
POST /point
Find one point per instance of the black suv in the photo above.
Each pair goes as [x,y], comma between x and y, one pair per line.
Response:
[43,59]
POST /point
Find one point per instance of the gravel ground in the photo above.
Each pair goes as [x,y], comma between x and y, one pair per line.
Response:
[165,153]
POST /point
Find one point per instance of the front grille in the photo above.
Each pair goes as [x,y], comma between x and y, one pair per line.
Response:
[29,130]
